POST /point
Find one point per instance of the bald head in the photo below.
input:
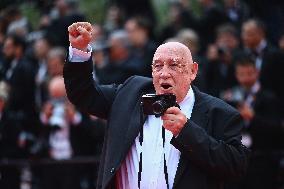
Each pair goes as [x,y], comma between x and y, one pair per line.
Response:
[56,87]
[179,50]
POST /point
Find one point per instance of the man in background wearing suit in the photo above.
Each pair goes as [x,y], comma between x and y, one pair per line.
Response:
[263,133]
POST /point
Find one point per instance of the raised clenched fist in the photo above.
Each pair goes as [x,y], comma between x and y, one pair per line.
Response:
[80,34]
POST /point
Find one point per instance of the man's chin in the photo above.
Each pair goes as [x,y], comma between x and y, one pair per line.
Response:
[166,91]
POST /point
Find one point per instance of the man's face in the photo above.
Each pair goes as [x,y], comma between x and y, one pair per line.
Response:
[227,40]
[41,48]
[246,75]
[8,48]
[55,66]
[136,35]
[173,70]
[251,35]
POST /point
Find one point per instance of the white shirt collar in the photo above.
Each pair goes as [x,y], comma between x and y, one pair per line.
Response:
[261,46]
[186,105]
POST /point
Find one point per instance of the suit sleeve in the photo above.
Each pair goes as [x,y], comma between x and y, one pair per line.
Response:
[224,158]
[83,91]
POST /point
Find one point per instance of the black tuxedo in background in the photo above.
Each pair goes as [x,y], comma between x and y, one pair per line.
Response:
[271,74]
[266,130]
[267,139]
[271,70]
[210,146]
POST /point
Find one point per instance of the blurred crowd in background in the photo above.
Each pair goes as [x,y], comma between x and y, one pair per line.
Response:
[238,44]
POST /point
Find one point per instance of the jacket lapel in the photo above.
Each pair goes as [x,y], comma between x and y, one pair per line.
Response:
[136,123]
[198,116]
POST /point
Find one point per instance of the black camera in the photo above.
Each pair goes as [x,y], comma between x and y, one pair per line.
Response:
[221,51]
[153,104]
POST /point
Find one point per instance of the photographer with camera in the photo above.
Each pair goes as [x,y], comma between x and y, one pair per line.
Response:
[220,55]
[263,133]
[66,134]
[55,142]
[196,144]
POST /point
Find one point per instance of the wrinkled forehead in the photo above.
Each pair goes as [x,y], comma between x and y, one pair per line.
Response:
[172,51]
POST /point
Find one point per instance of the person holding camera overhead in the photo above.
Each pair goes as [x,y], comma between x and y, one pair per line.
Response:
[195,143]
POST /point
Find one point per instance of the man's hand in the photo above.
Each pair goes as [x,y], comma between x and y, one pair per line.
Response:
[246,112]
[47,110]
[70,112]
[80,34]
[174,120]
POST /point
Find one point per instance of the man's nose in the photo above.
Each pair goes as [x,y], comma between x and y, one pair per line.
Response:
[165,72]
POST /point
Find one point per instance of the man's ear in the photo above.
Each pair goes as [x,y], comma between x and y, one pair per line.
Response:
[193,71]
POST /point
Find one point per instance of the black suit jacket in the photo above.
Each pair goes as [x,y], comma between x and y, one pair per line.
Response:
[210,146]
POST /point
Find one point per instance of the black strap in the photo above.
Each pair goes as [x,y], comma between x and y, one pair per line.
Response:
[142,117]
[166,172]
[140,169]
[165,162]
[140,141]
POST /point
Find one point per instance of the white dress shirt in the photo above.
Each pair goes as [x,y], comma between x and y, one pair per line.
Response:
[153,176]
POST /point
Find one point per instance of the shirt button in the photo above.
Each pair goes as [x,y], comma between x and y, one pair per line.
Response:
[112,170]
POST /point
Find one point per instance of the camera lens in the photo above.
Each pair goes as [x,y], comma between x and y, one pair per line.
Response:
[158,107]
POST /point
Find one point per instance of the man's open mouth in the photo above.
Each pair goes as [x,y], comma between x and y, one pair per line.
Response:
[166,86]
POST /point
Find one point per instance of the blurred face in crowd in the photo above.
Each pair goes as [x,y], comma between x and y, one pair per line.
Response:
[12,49]
[97,32]
[173,69]
[204,2]
[175,13]
[4,94]
[41,48]
[114,14]
[9,48]
[2,103]
[281,42]
[136,34]
[246,75]
[227,40]
[251,35]
[230,3]
[56,87]
[117,51]
[55,66]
